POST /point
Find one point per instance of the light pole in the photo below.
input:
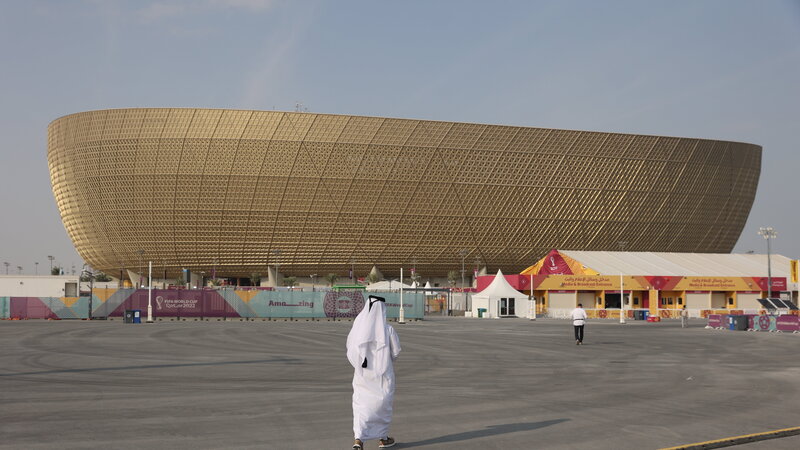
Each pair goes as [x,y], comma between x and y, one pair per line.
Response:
[36,268]
[150,292]
[141,274]
[313,282]
[51,258]
[7,264]
[622,245]
[19,270]
[463,254]
[277,253]
[401,315]
[768,233]
[90,274]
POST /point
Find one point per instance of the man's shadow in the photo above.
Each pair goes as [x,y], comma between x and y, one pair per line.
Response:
[491,430]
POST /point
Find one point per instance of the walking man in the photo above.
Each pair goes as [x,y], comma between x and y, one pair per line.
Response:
[684,317]
[578,321]
[372,346]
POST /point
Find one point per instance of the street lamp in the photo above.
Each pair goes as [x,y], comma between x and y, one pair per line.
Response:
[622,245]
[150,292]
[313,282]
[7,264]
[141,276]
[277,253]
[768,233]
[89,273]
[19,269]
[36,268]
[463,254]
[51,258]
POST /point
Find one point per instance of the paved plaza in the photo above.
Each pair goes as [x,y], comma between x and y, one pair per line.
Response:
[461,384]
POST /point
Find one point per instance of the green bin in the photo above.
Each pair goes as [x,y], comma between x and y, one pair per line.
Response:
[481,311]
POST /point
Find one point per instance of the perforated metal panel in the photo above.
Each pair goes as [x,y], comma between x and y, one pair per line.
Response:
[315,193]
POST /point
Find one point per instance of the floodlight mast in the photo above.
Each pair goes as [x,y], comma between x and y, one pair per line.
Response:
[768,233]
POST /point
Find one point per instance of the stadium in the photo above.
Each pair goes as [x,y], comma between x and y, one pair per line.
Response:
[233,192]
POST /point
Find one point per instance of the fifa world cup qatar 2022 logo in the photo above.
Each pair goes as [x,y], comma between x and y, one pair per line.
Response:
[343,303]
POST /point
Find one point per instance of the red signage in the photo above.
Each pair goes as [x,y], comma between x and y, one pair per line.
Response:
[554,264]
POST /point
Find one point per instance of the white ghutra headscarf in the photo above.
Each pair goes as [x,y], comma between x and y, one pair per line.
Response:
[368,341]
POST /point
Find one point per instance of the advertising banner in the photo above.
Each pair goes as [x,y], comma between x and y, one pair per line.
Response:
[661,283]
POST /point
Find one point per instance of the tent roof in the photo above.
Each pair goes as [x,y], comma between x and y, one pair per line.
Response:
[499,287]
[681,264]
[386,286]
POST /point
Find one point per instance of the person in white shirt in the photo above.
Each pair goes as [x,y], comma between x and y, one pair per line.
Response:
[578,321]
[684,317]
[372,347]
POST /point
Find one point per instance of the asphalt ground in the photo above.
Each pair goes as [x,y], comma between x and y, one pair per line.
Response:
[461,384]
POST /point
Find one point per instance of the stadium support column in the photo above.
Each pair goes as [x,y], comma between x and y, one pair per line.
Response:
[653,299]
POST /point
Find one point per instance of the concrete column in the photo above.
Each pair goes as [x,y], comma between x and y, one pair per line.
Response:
[654,301]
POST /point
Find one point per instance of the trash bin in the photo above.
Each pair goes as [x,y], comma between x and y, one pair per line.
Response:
[137,316]
[128,316]
[732,322]
[645,314]
[740,323]
[481,311]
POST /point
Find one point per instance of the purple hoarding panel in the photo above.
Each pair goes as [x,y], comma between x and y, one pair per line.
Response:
[178,303]
[787,323]
[714,320]
[30,308]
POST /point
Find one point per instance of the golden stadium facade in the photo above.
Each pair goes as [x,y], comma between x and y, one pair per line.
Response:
[316,193]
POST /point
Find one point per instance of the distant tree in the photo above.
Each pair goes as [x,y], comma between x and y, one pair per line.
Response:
[290,281]
[452,277]
[331,277]
[56,270]
[102,276]
[255,279]
[416,277]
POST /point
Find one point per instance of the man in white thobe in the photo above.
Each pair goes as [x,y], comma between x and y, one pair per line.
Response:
[372,346]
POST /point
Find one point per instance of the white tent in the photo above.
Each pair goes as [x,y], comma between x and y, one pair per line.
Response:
[393,285]
[499,299]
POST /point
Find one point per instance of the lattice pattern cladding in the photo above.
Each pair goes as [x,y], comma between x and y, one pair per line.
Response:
[193,188]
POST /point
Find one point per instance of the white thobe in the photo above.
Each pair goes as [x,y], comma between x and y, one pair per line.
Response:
[373,386]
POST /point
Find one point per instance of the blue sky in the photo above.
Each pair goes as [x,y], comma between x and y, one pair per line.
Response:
[717,69]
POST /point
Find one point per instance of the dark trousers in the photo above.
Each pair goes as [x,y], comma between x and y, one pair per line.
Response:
[579,333]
